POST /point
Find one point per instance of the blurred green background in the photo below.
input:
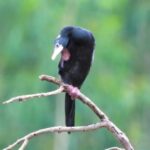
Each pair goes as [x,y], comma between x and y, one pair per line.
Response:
[119,81]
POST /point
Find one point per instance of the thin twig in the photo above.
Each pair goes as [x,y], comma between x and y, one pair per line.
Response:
[25,143]
[30,96]
[50,79]
[114,148]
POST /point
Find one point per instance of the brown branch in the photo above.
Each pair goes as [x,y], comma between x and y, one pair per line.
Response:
[114,148]
[30,96]
[24,144]
[111,126]
[58,129]
[105,122]
[81,96]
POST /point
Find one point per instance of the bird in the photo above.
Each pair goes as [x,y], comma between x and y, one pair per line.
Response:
[76,46]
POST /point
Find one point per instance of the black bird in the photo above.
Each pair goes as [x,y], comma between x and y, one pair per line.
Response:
[76,46]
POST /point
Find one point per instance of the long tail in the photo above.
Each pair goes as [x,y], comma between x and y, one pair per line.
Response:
[69,110]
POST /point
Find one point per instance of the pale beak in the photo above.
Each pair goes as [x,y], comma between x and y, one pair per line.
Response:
[57,50]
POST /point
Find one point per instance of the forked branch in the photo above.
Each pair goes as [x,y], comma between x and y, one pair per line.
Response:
[104,120]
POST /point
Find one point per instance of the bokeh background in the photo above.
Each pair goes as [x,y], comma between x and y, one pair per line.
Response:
[119,81]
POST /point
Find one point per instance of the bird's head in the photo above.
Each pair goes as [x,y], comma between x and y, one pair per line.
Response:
[70,39]
[61,44]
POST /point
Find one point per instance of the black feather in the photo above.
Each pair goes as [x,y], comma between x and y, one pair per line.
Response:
[69,110]
[74,71]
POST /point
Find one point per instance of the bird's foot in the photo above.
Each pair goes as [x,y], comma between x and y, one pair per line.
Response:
[73,91]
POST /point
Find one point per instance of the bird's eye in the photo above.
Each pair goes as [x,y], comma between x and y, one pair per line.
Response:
[58,36]
[57,45]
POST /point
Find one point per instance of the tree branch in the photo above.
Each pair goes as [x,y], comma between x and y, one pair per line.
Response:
[114,148]
[58,129]
[105,122]
[30,96]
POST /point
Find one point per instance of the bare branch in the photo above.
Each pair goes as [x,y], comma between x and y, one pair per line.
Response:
[25,143]
[114,148]
[37,95]
[50,79]
[105,122]
[58,129]
[82,97]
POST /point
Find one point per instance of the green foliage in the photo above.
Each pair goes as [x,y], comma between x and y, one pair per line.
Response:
[118,82]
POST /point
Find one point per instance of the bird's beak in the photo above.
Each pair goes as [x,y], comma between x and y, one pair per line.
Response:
[57,50]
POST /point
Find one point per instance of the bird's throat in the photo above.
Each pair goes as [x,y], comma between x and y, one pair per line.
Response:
[65,55]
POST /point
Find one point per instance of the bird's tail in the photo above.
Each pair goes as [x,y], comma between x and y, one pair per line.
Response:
[69,110]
